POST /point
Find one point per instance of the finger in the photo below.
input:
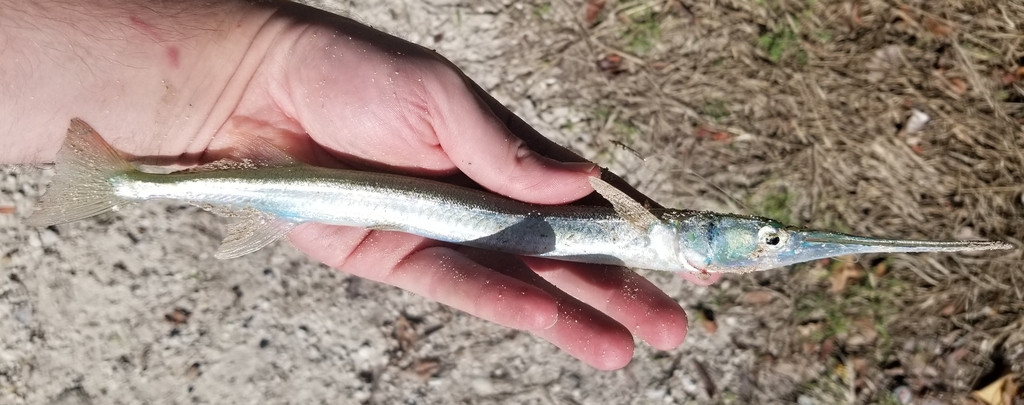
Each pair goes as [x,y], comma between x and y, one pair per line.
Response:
[587,334]
[581,330]
[701,279]
[625,296]
[481,146]
[546,147]
[429,269]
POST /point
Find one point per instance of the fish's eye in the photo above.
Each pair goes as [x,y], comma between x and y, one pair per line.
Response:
[771,237]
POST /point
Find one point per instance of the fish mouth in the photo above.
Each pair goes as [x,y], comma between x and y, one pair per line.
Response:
[690,268]
[813,245]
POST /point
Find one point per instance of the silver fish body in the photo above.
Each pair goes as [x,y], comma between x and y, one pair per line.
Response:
[269,194]
[441,211]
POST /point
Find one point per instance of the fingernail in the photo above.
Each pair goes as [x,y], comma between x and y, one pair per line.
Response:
[580,167]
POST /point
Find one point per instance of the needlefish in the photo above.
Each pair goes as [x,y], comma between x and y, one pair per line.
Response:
[269,193]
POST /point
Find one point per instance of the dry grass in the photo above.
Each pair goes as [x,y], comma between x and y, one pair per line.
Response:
[795,109]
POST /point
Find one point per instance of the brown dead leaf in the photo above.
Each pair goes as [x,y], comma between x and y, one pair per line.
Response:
[860,365]
[880,269]
[703,133]
[718,136]
[959,354]
[905,22]
[610,63]
[894,372]
[710,326]
[855,18]
[1008,77]
[827,347]
[426,369]
[999,392]
[193,372]
[948,310]
[758,297]
[594,8]
[178,316]
[405,333]
[937,27]
[6,209]
[845,274]
[958,86]
[707,320]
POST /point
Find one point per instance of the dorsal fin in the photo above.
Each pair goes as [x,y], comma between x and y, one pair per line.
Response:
[247,151]
[259,152]
[633,212]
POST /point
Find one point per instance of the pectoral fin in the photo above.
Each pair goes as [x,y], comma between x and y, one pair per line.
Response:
[250,231]
[633,212]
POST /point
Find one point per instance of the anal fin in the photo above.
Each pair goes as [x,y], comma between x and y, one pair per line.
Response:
[252,231]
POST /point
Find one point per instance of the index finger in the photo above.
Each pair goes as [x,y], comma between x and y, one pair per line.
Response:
[548,148]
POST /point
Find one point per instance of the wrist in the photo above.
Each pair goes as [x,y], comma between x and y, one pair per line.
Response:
[156,80]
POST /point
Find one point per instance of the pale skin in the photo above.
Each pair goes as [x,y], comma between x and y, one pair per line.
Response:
[175,82]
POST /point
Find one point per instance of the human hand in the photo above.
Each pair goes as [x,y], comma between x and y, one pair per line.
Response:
[333,92]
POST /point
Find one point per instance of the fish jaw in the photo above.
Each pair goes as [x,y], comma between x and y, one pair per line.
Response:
[806,246]
[815,245]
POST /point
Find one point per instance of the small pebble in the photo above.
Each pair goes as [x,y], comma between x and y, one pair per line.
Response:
[903,394]
[49,237]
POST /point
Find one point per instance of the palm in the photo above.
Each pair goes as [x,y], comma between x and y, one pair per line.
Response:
[341,94]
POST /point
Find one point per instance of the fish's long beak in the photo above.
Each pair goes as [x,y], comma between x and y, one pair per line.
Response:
[840,244]
[805,246]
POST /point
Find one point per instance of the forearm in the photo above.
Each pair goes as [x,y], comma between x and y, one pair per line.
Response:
[129,68]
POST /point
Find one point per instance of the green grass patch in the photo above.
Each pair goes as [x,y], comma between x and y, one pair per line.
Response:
[642,32]
[716,109]
[775,206]
[541,10]
[783,44]
[777,43]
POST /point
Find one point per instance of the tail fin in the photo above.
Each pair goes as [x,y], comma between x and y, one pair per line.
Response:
[80,187]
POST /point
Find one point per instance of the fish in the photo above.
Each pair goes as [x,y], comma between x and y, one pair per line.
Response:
[268,193]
